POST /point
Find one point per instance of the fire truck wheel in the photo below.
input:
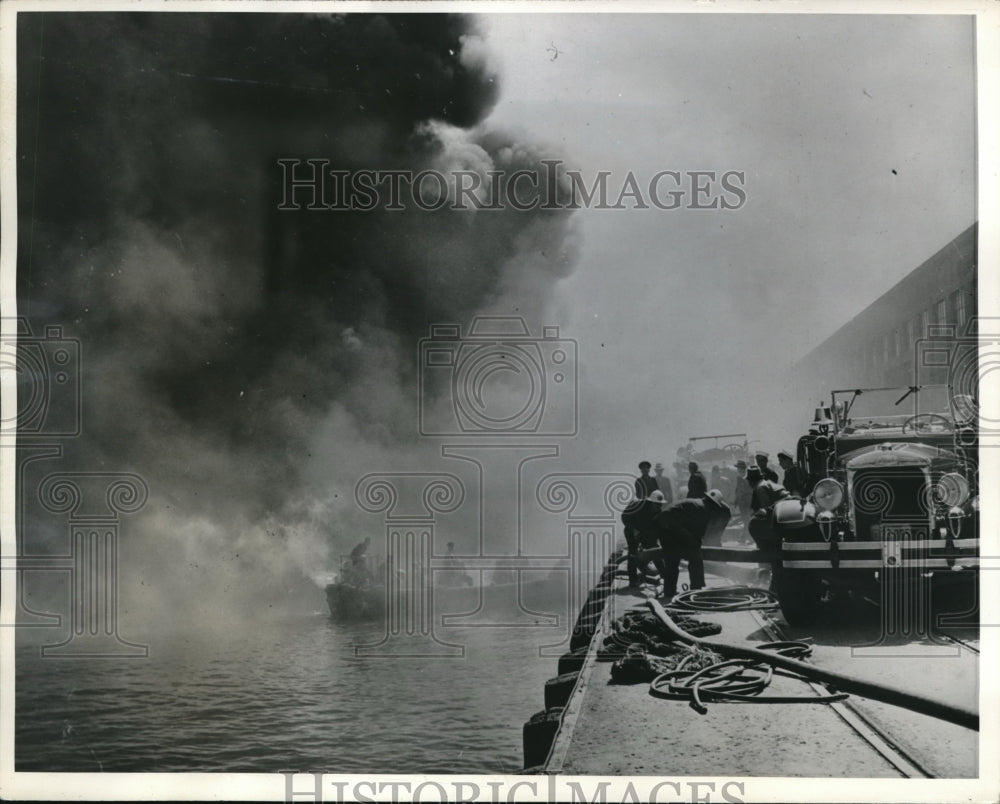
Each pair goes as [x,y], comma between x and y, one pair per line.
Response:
[799,594]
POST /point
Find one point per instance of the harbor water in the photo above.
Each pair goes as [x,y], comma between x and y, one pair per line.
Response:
[288,695]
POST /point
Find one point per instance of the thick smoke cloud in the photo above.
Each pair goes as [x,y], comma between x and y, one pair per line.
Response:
[248,361]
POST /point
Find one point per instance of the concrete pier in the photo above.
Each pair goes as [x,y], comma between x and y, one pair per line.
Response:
[599,727]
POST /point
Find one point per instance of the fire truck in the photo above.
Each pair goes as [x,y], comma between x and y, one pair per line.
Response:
[894,500]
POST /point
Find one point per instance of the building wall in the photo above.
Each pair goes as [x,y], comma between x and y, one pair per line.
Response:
[885,344]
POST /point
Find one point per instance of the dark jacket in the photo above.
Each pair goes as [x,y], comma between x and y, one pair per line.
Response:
[691,520]
[697,487]
[639,514]
[769,474]
[645,485]
[794,480]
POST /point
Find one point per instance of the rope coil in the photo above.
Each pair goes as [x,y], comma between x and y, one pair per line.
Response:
[735,681]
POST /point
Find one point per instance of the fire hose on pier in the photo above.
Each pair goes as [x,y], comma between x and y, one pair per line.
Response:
[730,680]
[727,598]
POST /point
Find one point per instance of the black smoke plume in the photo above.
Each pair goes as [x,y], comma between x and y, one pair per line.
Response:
[249,362]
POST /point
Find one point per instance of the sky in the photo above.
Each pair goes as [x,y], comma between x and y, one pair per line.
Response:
[252,363]
[856,135]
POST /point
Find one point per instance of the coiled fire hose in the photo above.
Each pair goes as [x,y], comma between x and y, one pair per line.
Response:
[958,715]
[725,598]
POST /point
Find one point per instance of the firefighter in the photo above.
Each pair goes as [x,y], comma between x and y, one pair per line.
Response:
[765,494]
[680,530]
[794,480]
[636,518]
[766,471]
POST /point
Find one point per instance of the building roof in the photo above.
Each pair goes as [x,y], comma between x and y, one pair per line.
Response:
[947,269]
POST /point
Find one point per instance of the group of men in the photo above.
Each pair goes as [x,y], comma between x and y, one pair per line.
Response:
[679,529]
[757,486]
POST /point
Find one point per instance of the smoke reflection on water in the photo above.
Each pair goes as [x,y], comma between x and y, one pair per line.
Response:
[293,698]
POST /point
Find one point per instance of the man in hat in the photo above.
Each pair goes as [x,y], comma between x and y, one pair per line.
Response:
[680,530]
[637,516]
[663,484]
[697,487]
[765,492]
[637,519]
[794,480]
[648,539]
[766,471]
[644,484]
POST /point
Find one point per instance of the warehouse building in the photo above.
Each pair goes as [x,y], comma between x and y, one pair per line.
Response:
[911,335]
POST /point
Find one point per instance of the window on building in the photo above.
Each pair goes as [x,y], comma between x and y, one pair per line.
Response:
[911,333]
[958,305]
[885,348]
[942,312]
[896,347]
[925,322]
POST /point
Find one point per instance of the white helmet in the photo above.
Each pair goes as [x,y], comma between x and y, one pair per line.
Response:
[715,496]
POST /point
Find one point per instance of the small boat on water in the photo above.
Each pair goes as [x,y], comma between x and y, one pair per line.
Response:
[361,597]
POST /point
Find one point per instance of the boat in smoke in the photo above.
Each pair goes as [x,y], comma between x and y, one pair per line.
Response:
[359,594]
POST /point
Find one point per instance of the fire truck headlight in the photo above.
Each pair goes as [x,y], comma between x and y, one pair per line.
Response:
[951,490]
[829,494]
